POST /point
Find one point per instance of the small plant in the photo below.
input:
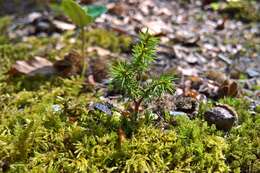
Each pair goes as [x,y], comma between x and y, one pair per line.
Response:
[82,16]
[129,76]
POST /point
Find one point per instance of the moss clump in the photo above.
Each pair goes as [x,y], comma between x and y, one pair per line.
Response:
[9,53]
[4,23]
[108,40]
[243,140]
[245,10]
[35,137]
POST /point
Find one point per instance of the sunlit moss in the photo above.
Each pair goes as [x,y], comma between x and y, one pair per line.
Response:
[108,40]
[245,10]
[4,23]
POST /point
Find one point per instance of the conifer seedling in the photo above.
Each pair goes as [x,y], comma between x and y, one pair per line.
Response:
[128,76]
[82,16]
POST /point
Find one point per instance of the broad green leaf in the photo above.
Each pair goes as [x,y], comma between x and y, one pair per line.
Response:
[215,6]
[94,10]
[77,14]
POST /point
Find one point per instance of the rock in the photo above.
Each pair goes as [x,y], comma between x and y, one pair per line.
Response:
[252,73]
[56,108]
[102,107]
[223,116]
[191,59]
[186,37]
[178,113]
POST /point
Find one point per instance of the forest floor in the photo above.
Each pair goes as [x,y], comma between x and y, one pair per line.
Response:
[51,121]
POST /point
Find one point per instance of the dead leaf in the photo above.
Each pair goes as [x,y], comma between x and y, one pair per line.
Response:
[35,66]
[71,64]
[117,8]
[191,93]
[157,27]
[217,76]
[229,88]
[99,67]
[63,25]
[100,51]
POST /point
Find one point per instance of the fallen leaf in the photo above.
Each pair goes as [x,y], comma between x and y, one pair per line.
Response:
[70,65]
[35,66]
[191,93]
[229,88]
[117,8]
[63,25]
[100,51]
[217,76]
[157,27]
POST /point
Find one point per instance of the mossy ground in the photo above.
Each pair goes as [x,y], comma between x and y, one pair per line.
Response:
[46,126]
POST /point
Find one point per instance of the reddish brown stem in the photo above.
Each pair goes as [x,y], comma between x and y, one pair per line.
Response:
[137,105]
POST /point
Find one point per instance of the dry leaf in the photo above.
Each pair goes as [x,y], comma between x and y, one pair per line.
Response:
[63,25]
[191,93]
[70,65]
[217,76]
[229,88]
[35,66]
[100,51]
[117,8]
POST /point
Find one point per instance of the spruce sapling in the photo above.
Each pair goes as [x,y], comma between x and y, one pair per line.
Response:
[128,76]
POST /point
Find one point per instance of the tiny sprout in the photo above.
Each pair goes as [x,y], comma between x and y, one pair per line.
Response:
[82,16]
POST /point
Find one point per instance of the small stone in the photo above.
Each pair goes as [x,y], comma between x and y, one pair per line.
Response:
[191,59]
[177,113]
[56,108]
[252,73]
[105,108]
[223,116]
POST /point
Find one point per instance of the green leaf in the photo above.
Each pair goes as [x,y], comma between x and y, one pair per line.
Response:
[76,13]
[95,10]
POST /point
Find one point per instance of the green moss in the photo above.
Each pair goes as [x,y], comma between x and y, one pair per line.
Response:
[108,40]
[244,10]
[9,53]
[257,109]
[35,138]
[4,23]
